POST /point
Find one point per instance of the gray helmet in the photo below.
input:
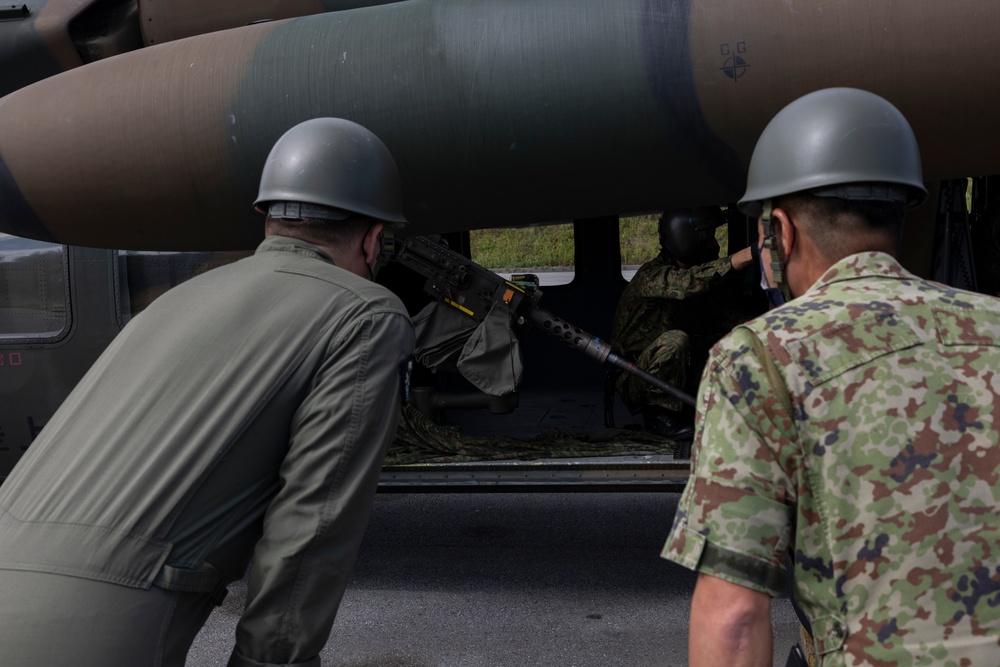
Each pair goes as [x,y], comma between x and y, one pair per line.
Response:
[689,234]
[837,142]
[331,163]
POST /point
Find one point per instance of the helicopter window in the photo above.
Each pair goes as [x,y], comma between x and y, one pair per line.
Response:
[546,251]
[639,242]
[149,274]
[33,289]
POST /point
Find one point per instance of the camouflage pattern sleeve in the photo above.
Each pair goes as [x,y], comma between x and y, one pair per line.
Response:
[665,280]
[885,482]
[736,517]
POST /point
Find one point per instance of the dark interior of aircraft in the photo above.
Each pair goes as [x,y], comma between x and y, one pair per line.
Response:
[62,305]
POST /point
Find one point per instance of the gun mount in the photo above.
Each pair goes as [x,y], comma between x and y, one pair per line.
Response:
[457,281]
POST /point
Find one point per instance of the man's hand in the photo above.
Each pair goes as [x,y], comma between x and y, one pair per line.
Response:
[741,259]
[730,625]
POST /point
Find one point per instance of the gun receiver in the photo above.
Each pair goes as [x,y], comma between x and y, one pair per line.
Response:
[461,283]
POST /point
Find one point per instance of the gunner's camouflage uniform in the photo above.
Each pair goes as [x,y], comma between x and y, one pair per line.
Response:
[666,321]
[876,464]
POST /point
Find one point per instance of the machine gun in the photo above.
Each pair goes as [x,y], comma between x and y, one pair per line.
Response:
[457,281]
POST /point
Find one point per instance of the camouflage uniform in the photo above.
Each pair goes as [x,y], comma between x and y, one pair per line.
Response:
[864,440]
[667,319]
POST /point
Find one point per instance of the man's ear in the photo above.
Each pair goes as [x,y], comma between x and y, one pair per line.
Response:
[786,232]
[370,243]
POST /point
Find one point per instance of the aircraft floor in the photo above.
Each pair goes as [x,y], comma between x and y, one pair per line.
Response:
[539,409]
[554,439]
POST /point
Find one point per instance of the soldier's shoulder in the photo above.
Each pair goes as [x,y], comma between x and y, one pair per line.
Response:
[742,340]
[649,267]
[378,297]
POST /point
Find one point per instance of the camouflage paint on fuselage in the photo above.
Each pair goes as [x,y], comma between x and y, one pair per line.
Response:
[499,113]
[24,54]
[177,19]
[494,117]
[897,50]
[143,138]
[15,209]
[696,151]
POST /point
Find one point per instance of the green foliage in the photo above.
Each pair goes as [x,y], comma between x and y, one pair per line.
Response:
[551,246]
[523,247]
[639,239]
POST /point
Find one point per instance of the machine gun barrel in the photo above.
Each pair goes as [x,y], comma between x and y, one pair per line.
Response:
[599,350]
[461,283]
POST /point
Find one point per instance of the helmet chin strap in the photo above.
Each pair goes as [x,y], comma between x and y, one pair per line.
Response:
[778,293]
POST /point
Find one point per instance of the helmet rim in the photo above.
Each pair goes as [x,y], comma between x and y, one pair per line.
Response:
[835,137]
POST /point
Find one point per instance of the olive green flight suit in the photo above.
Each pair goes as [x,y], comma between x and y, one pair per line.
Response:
[245,412]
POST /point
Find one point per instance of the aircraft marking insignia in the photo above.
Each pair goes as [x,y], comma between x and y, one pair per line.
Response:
[10,359]
[734,66]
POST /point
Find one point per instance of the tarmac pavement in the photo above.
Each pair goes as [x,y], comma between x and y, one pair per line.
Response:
[508,580]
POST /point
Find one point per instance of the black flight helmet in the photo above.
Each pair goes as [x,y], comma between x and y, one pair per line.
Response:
[689,234]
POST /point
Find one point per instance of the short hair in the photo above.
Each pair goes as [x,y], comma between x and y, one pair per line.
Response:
[337,233]
[840,227]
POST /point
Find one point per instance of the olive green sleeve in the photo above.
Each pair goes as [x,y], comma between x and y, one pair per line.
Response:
[314,526]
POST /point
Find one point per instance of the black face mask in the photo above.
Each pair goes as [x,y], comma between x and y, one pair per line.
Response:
[384,252]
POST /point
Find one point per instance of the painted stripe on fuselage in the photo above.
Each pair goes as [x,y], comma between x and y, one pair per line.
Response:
[495,113]
[19,217]
[670,71]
